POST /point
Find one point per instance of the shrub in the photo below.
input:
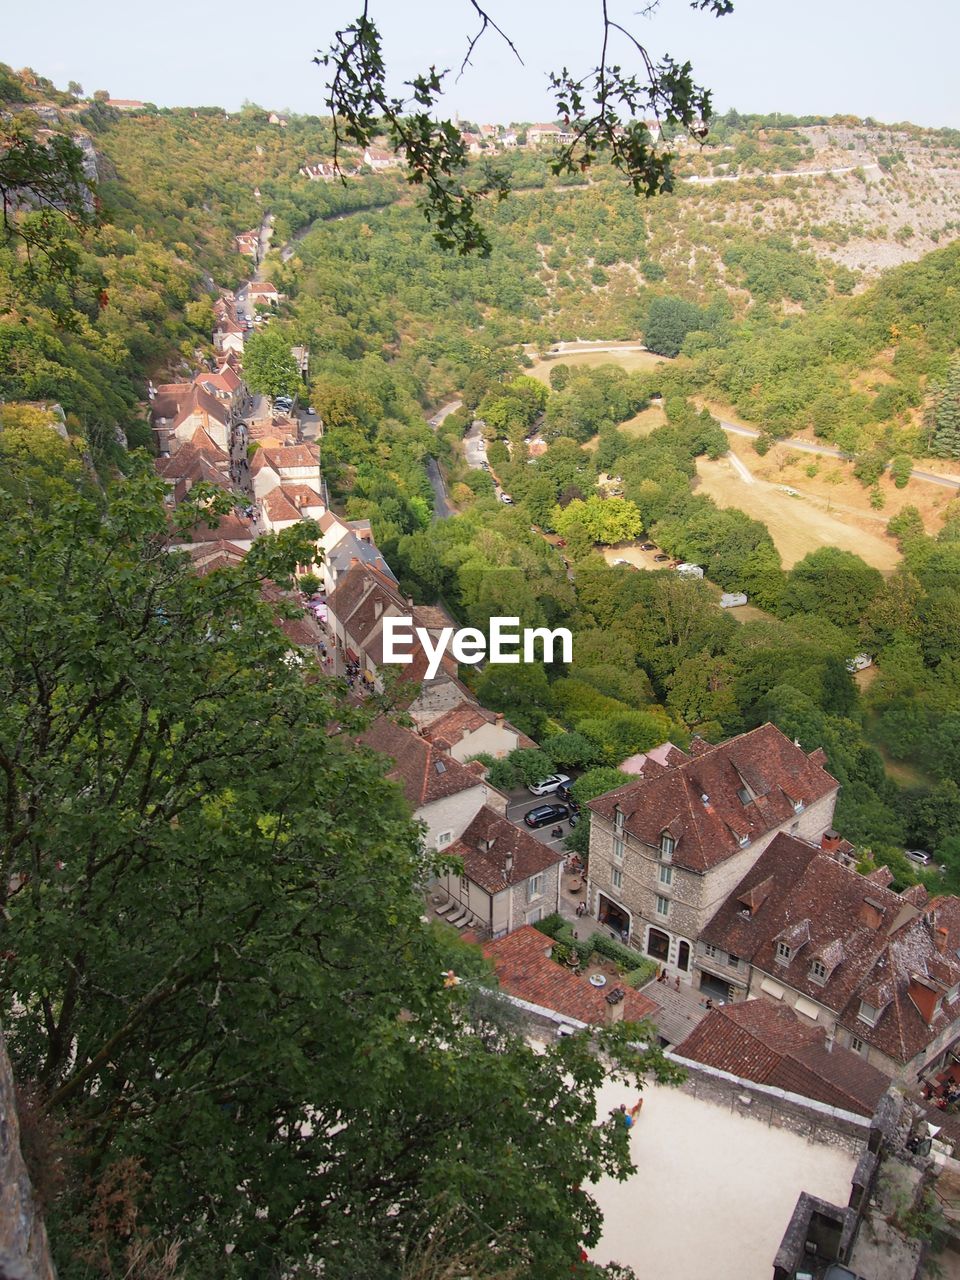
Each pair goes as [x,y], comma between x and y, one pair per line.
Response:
[626,957]
[640,976]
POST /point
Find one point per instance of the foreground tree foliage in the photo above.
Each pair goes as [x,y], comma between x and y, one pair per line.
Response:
[215,981]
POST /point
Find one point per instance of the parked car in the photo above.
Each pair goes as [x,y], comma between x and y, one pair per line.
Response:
[859,662]
[661,557]
[621,561]
[548,785]
[648,546]
[312,411]
[919,856]
[544,814]
[505,498]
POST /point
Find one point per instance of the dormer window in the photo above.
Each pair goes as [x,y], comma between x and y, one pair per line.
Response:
[784,952]
[798,806]
[743,841]
[667,845]
[618,818]
[818,971]
[868,1013]
[743,795]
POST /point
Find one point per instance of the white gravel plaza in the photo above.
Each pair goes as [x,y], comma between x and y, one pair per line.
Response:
[714,1191]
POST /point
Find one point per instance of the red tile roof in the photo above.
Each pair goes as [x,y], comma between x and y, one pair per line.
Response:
[425,773]
[767,1043]
[699,801]
[278,506]
[524,970]
[293,455]
[490,842]
[880,947]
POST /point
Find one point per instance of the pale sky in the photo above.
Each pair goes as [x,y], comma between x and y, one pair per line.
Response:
[890,59]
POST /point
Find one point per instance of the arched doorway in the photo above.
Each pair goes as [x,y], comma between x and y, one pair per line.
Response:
[683,956]
[658,945]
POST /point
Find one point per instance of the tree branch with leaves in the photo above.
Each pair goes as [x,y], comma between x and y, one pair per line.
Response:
[606,110]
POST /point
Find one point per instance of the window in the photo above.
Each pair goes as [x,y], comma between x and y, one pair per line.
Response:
[798,806]
[743,841]
[856,1045]
[783,952]
[868,1013]
[733,961]
[667,845]
[666,875]
[618,818]
[618,849]
[818,971]
[710,950]
[534,887]
[743,795]
[663,906]
[444,838]
[616,878]
[464,884]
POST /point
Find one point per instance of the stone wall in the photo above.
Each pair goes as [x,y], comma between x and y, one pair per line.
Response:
[812,1120]
[24,1254]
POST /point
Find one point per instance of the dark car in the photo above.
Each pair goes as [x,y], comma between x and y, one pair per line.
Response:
[661,557]
[566,795]
[544,814]
[648,546]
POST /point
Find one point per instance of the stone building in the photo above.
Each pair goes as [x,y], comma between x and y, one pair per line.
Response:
[667,849]
[877,970]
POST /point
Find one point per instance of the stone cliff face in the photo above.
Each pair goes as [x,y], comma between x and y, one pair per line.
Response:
[24,1253]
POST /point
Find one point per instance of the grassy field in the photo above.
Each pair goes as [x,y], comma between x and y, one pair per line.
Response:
[631,360]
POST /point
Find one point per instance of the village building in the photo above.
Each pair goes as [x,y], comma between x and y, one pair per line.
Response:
[667,848]
[442,793]
[877,969]
[764,1042]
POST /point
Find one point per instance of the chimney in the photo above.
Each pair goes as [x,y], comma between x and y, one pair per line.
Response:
[940,936]
[870,914]
[830,841]
[499,719]
[508,863]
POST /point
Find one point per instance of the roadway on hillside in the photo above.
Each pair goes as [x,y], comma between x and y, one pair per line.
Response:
[441,504]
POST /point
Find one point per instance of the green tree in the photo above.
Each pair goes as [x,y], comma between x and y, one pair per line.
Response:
[945,433]
[268,364]
[194,865]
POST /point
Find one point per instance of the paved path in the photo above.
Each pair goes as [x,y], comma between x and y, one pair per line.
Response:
[741,470]
[475,447]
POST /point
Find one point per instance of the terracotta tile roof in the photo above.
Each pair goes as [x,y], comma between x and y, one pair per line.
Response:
[230,528]
[425,773]
[293,455]
[879,947]
[490,842]
[198,401]
[261,286]
[459,722]
[721,799]
[261,462]
[167,399]
[208,556]
[524,969]
[301,495]
[767,1043]
[649,764]
[278,506]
